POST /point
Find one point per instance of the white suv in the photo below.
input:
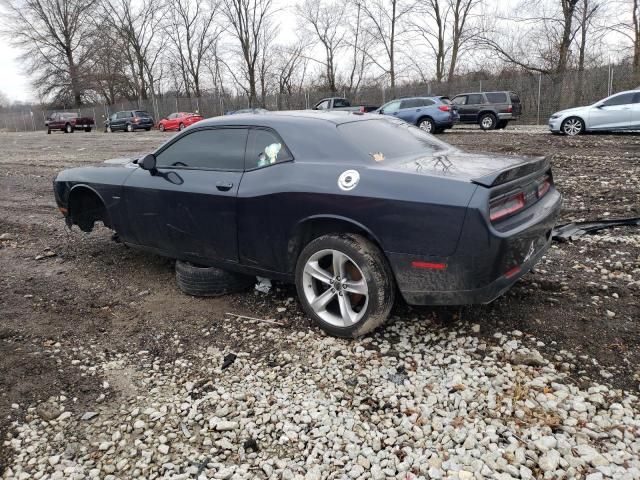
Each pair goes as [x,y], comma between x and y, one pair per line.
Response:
[617,112]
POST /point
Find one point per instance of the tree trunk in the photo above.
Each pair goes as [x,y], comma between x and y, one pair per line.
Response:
[568,10]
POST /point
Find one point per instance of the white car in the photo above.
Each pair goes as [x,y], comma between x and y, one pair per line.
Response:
[617,112]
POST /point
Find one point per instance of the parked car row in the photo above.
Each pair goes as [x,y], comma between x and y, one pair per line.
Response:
[433,114]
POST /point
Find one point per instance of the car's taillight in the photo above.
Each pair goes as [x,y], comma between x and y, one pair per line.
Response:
[444,108]
[543,187]
[362,109]
[136,119]
[506,206]
[510,109]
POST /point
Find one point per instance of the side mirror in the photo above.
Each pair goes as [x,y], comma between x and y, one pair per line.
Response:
[148,162]
[600,105]
[381,111]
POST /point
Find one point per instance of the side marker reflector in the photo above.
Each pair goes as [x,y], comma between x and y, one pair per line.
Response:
[429,265]
[513,272]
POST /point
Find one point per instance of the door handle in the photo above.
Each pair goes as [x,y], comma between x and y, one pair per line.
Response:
[224,186]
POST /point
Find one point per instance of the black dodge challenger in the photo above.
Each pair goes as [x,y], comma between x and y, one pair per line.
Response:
[351,207]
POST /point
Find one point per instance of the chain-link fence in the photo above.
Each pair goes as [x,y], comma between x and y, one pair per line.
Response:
[540,94]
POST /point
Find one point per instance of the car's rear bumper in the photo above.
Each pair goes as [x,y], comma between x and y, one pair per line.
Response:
[508,116]
[486,264]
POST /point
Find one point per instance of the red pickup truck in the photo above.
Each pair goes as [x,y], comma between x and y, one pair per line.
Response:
[68,122]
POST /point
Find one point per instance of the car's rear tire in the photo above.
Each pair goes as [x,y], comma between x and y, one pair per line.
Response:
[181,127]
[148,129]
[488,121]
[108,129]
[572,126]
[209,281]
[426,124]
[129,128]
[345,284]
[502,124]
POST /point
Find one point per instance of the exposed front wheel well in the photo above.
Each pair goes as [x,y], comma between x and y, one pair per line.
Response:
[86,208]
[314,228]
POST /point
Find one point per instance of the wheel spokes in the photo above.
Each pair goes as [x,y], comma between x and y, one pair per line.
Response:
[339,261]
[349,317]
[356,286]
[319,304]
[316,271]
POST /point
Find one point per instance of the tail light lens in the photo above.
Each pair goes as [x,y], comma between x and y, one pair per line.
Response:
[510,109]
[444,108]
[543,187]
[503,207]
[362,109]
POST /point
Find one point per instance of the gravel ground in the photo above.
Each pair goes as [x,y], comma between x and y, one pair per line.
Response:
[109,372]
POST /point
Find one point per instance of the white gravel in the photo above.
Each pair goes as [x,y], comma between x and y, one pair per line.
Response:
[409,402]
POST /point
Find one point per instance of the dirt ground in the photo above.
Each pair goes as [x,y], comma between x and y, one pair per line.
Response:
[61,290]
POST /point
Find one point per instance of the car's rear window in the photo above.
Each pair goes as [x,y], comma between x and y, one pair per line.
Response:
[390,138]
[141,113]
[496,97]
[445,100]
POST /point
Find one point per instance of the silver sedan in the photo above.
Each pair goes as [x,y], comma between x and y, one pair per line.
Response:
[615,113]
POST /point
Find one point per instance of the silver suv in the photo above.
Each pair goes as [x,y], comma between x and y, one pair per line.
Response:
[617,112]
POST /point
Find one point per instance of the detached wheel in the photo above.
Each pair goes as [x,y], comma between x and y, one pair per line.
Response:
[209,281]
[488,121]
[427,125]
[572,126]
[345,284]
[129,128]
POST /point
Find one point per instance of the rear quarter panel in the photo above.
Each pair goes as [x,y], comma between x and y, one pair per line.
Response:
[405,212]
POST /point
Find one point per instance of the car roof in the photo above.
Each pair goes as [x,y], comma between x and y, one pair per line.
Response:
[493,91]
[287,117]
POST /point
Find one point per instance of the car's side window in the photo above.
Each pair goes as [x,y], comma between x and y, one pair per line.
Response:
[475,99]
[425,102]
[636,99]
[214,149]
[496,97]
[624,99]
[462,100]
[392,107]
[340,102]
[265,148]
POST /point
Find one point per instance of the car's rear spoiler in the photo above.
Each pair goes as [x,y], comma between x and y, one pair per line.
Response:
[538,164]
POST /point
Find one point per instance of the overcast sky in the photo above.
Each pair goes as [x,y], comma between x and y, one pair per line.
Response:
[13,82]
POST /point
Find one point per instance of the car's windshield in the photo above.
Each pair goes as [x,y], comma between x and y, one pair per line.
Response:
[387,139]
[140,113]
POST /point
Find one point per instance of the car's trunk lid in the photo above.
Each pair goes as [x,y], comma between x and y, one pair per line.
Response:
[482,169]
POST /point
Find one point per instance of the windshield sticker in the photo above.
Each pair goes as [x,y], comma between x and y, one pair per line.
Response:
[348,180]
[377,156]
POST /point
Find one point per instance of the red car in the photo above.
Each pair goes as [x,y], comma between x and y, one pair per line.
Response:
[179,121]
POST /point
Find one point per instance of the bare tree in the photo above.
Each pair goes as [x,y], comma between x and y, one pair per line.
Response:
[461,11]
[629,26]
[4,100]
[192,29]
[55,38]
[326,20]
[430,25]
[586,13]
[384,17]
[360,42]
[247,19]
[139,23]
[539,41]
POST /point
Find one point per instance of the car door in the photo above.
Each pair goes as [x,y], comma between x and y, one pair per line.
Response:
[461,104]
[612,113]
[120,121]
[187,208]
[407,110]
[473,106]
[391,108]
[54,123]
[171,122]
